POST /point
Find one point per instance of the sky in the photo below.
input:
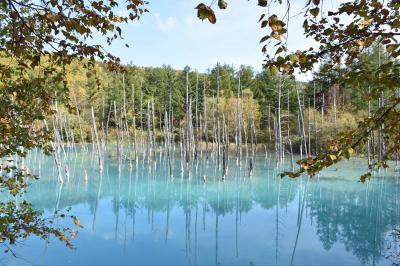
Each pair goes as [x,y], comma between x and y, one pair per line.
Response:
[171,34]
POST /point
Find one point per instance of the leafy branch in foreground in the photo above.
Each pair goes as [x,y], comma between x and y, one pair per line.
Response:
[37,40]
[342,34]
[24,100]
[346,143]
[19,221]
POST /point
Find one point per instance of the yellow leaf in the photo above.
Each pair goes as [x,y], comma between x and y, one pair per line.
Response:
[77,222]
[332,157]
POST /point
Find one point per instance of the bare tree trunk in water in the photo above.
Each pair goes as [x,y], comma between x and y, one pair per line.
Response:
[197,117]
[127,126]
[187,142]
[369,140]
[315,125]
[278,123]
[301,119]
[97,142]
[238,126]
[218,120]
[141,123]
[117,129]
[134,123]
[79,118]
[154,129]
[205,118]
[149,138]
[309,127]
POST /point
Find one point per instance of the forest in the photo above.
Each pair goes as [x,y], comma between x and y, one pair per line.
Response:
[271,112]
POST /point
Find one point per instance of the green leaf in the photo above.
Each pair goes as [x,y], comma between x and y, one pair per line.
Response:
[264,23]
[263,39]
[276,26]
[202,11]
[396,24]
[363,178]
[205,12]
[276,36]
[274,70]
[293,58]
[314,11]
[222,4]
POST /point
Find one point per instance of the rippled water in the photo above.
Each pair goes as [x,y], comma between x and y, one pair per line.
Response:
[140,216]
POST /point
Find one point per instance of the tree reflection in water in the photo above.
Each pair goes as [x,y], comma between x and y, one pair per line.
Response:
[363,218]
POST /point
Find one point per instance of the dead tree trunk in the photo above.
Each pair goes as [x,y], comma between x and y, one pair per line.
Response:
[97,142]
[127,126]
[238,126]
[134,124]
[301,120]
[197,117]
[205,118]
[117,129]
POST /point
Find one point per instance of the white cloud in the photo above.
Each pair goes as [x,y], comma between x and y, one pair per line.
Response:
[165,25]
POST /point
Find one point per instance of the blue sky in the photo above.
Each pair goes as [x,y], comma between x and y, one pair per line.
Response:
[172,34]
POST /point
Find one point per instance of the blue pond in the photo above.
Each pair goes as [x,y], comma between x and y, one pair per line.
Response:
[140,216]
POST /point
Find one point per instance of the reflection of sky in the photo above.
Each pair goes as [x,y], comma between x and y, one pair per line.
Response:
[145,219]
[171,34]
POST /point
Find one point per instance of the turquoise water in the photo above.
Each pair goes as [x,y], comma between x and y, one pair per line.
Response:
[140,216]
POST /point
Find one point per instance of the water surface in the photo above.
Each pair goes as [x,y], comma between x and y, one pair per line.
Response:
[140,216]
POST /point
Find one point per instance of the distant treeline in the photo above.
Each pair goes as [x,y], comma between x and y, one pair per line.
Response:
[277,104]
[97,87]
